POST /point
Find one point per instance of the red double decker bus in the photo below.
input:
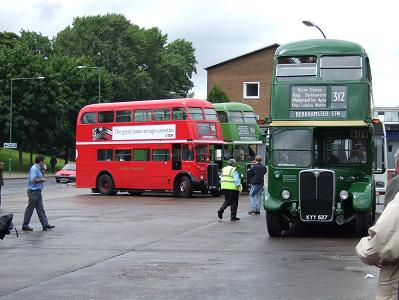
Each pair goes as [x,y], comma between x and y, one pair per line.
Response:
[166,145]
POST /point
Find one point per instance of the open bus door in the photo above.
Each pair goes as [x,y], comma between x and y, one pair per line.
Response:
[380,158]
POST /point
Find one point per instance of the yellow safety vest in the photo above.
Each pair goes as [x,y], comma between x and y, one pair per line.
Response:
[228,183]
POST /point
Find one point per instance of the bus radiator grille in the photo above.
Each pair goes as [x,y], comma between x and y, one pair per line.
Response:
[316,195]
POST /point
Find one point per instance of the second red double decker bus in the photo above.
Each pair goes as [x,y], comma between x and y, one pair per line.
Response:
[148,145]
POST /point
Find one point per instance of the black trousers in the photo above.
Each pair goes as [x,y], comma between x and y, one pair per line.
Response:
[230,199]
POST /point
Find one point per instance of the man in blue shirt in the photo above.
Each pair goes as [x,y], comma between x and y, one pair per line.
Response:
[35,186]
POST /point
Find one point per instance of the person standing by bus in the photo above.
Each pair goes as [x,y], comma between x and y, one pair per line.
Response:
[1,178]
[231,187]
[381,249]
[257,179]
[35,186]
[393,184]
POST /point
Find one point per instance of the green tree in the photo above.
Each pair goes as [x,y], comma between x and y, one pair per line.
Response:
[217,95]
[34,114]
[140,63]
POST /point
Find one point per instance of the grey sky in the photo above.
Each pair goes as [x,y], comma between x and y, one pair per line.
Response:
[221,30]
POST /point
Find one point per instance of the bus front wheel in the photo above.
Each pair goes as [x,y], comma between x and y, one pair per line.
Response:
[274,224]
[185,187]
[105,185]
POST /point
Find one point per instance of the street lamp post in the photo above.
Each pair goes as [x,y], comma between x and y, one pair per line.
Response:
[311,24]
[14,79]
[99,78]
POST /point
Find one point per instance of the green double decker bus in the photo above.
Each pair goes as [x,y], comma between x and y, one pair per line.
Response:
[324,145]
[241,135]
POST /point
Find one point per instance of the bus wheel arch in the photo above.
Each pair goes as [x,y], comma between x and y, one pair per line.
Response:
[183,185]
[105,183]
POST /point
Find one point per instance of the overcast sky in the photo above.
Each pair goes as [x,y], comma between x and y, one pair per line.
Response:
[220,30]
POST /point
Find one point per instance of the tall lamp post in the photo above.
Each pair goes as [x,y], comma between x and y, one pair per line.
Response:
[99,79]
[311,24]
[12,80]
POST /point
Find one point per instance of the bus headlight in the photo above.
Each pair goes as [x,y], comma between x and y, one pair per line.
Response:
[343,194]
[285,194]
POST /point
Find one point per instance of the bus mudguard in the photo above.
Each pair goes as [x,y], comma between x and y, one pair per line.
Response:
[271,204]
[361,196]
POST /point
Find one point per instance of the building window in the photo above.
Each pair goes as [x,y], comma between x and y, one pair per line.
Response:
[251,90]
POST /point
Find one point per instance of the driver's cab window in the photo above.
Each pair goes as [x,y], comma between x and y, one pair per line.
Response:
[343,150]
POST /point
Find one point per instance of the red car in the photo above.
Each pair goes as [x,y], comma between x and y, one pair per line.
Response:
[67,173]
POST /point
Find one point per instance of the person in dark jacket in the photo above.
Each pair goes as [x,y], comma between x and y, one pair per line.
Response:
[256,177]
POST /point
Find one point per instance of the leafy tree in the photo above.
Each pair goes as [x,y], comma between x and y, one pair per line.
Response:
[217,95]
[33,115]
[140,63]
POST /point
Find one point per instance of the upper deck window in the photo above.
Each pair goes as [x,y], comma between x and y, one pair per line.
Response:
[210,114]
[236,117]
[161,114]
[105,117]
[222,116]
[179,113]
[296,68]
[341,67]
[124,116]
[249,117]
[89,118]
[195,113]
[142,115]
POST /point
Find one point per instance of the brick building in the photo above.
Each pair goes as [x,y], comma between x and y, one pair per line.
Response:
[246,78]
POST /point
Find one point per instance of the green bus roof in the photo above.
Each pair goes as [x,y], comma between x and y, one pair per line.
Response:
[319,46]
[232,106]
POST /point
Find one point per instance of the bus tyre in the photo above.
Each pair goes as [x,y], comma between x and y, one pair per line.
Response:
[105,185]
[274,224]
[185,187]
[363,223]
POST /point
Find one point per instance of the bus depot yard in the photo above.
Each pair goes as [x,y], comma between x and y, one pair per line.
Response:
[157,246]
[320,194]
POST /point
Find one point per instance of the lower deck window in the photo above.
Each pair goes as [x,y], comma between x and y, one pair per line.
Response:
[123,155]
[160,154]
[104,154]
[141,155]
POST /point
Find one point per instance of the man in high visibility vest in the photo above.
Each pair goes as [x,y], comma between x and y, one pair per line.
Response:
[231,187]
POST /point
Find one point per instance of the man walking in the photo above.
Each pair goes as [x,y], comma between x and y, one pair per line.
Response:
[35,186]
[231,187]
[257,179]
